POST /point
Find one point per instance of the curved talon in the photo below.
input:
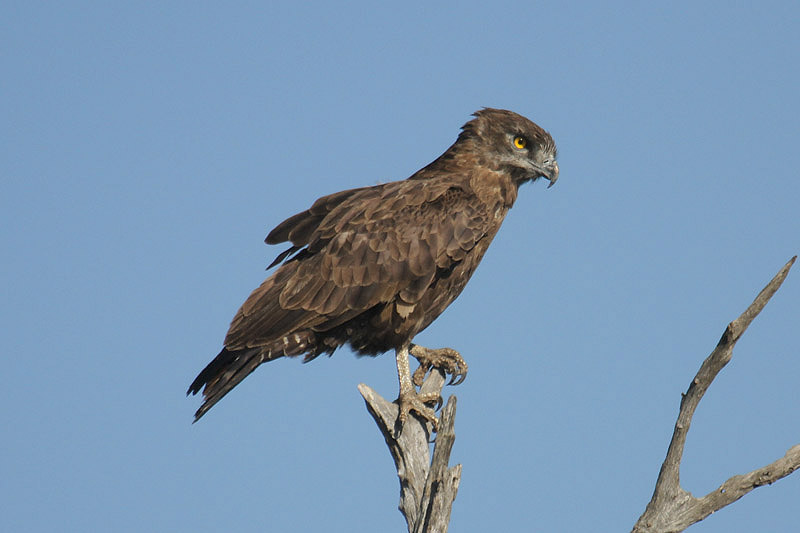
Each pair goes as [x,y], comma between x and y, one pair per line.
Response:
[461,378]
[446,359]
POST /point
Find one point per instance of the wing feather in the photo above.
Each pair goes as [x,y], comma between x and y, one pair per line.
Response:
[314,215]
[364,247]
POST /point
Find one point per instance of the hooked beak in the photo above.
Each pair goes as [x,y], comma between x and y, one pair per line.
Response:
[552,174]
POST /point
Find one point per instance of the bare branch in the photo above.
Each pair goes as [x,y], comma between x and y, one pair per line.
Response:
[442,482]
[738,486]
[672,508]
[427,489]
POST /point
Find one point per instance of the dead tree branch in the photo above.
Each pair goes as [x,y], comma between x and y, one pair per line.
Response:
[427,488]
[672,508]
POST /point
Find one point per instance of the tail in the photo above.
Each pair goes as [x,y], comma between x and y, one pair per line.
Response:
[223,374]
[230,367]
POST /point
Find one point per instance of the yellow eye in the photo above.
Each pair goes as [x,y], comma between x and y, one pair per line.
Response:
[520,142]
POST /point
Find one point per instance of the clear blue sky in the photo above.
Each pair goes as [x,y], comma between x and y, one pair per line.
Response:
[146,150]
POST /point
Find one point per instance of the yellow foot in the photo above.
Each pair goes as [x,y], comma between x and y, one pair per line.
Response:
[411,400]
[446,359]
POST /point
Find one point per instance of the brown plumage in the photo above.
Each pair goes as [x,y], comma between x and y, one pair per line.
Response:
[374,266]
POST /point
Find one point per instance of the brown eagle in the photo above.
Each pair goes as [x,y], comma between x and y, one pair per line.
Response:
[372,267]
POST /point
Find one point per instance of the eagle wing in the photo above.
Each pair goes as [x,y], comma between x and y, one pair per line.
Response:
[356,249]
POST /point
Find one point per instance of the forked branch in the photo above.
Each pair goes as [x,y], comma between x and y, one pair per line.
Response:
[427,488]
[672,508]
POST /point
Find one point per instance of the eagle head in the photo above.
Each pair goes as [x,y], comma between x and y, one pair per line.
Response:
[510,142]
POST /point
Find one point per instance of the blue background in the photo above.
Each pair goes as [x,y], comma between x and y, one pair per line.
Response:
[147,149]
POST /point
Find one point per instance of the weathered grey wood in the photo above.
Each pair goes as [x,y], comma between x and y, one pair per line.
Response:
[441,484]
[427,488]
[673,509]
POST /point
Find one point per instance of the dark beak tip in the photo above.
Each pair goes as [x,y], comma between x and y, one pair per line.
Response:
[553,177]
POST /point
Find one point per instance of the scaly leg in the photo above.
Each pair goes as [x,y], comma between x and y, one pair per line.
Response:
[409,399]
[446,359]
